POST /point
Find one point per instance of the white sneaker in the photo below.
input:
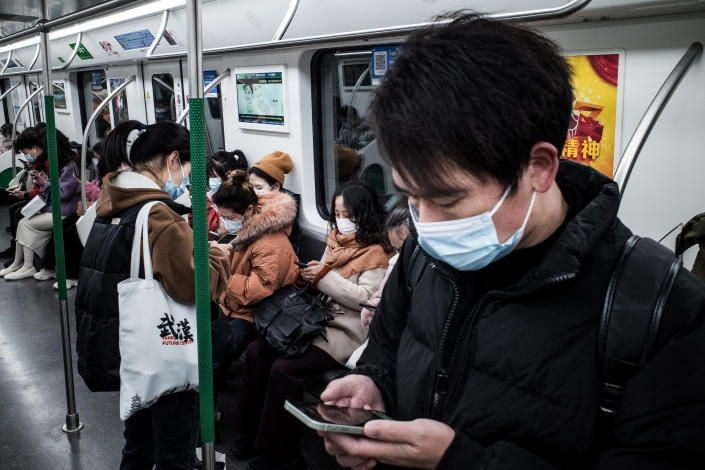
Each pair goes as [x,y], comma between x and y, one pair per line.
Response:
[10,269]
[45,275]
[69,284]
[20,274]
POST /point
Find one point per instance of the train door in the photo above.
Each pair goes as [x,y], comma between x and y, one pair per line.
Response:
[164,95]
[93,89]
[215,137]
[129,103]
[16,99]
[35,107]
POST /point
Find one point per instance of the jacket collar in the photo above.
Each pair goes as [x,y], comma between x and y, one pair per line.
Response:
[275,212]
[594,201]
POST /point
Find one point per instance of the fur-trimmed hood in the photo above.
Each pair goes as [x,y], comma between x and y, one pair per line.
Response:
[275,212]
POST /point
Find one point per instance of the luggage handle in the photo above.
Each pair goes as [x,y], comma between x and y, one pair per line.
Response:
[142,232]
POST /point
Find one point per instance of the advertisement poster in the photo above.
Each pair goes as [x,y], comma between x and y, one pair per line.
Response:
[592,130]
[382,59]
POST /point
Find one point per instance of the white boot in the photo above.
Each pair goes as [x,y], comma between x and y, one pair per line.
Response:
[45,275]
[21,273]
[16,263]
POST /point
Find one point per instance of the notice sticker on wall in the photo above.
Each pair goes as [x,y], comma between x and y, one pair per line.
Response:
[82,53]
[382,59]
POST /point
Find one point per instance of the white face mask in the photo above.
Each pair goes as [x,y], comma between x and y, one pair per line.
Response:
[345,225]
[263,191]
[467,244]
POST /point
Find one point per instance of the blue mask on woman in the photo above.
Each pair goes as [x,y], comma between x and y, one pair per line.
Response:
[175,191]
[232,226]
[214,183]
[29,158]
[467,244]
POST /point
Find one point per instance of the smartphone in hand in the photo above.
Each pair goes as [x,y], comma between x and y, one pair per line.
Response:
[329,418]
[368,307]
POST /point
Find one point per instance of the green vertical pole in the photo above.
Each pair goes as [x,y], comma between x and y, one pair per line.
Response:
[73,423]
[200,253]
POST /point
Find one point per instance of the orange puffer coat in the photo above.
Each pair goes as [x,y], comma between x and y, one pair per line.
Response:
[263,260]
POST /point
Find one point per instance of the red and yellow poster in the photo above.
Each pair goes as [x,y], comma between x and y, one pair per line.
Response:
[593,125]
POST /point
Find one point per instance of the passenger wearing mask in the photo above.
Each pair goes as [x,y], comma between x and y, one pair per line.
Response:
[484,347]
[165,433]
[267,175]
[34,233]
[222,163]
[262,260]
[349,273]
[397,230]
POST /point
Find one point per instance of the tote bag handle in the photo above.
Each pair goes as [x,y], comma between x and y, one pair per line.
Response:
[142,232]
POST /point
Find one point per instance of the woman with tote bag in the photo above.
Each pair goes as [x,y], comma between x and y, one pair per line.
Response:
[163,434]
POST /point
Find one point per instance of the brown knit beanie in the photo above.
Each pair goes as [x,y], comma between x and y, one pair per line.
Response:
[276,164]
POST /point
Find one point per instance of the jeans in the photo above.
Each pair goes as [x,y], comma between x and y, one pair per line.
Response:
[244,332]
[163,435]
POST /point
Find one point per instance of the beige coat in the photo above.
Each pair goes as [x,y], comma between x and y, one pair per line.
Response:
[345,333]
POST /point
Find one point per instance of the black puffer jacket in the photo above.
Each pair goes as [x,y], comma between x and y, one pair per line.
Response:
[520,385]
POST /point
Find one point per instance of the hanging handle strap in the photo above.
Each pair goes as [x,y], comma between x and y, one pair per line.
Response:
[142,233]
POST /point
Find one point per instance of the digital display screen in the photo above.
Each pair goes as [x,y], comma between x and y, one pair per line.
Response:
[135,39]
[260,98]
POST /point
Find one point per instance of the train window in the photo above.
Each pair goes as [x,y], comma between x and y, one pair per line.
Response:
[215,137]
[346,148]
[94,90]
[164,97]
[119,102]
[36,104]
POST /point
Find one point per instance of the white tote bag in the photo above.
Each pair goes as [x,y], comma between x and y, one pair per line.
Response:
[84,224]
[157,334]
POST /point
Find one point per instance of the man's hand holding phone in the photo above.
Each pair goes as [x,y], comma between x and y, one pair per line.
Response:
[417,444]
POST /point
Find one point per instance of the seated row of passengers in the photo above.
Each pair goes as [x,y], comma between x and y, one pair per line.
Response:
[252,209]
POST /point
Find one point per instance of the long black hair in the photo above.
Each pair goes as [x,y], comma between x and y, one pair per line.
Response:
[236,193]
[37,136]
[157,142]
[224,162]
[364,208]
[114,149]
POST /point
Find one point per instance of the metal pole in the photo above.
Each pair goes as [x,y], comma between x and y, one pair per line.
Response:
[73,422]
[160,34]
[200,230]
[210,86]
[65,65]
[35,57]
[84,147]
[643,129]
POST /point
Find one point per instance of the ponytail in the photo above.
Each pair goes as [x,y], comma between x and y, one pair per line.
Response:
[114,152]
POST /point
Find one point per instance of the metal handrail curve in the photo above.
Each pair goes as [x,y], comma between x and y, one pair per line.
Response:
[14,127]
[160,34]
[7,62]
[286,21]
[73,55]
[34,59]
[208,88]
[4,95]
[93,117]
[643,129]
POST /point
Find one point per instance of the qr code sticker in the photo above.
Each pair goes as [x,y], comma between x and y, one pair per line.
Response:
[380,62]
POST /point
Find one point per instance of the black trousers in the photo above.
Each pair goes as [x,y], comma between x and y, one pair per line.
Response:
[268,381]
[163,435]
[73,250]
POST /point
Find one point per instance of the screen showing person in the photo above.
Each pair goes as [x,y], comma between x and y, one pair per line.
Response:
[260,98]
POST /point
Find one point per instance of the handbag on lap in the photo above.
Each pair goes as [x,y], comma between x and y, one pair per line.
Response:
[291,318]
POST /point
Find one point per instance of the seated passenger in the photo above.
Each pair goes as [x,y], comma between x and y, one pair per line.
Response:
[397,230]
[267,175]
[165,433]
[34,233]
[349,272]
[263,260]
[484,348]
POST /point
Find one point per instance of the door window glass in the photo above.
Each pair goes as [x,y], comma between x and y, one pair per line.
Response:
[164,97]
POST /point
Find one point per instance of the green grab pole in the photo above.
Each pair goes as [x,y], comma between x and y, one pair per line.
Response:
[55,195]
[201,263]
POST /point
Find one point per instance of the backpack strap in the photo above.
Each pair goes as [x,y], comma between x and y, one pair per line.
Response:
[634,302]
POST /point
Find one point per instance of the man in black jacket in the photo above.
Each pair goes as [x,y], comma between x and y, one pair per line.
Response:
[484,343]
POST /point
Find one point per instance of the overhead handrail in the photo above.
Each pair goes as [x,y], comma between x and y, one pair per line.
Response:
[286,21]
[73,55]
[93,117]
[208,88]
[643,129]
[160,34]
[34,59]
[14,126]
[7,62]
[4,95]
[163,83]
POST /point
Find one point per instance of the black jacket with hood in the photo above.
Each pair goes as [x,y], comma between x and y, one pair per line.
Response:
[514,371]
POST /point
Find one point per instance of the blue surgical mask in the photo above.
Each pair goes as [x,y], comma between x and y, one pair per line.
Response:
[29,158]
[214,183]
[174,191]
[467,244]
[232,226]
